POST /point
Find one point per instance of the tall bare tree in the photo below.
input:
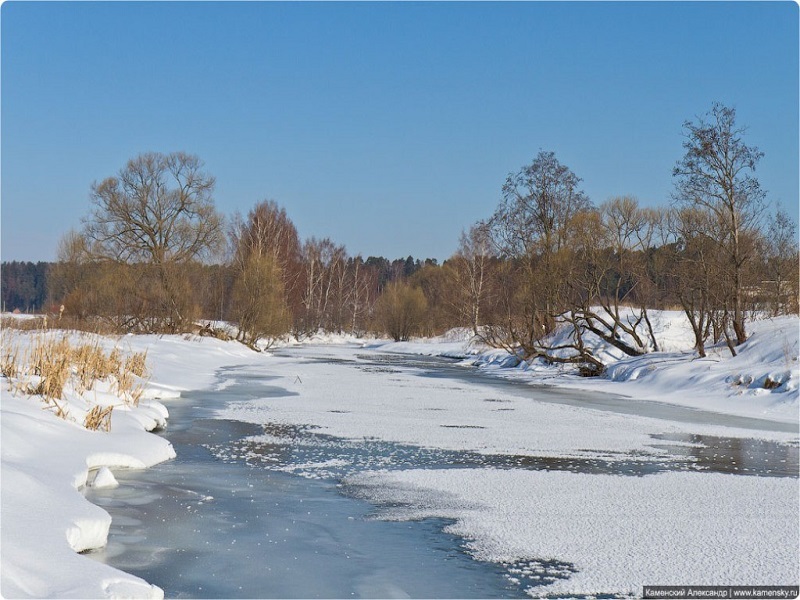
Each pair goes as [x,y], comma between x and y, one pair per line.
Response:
[400,310]
[531,228]
[323,262]
[717,175]
[266,263]
[782,285]
[67,279]
[268,232]
[258,301]
[615,244]
[694,271]
[157,212]
[362,286]
[159,208]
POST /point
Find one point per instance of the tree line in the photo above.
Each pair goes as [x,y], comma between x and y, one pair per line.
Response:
[155,255]
[23,286]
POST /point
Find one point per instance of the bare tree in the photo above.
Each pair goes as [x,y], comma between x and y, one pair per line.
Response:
[156,214]
[614,274]
[264,248]
[531,229]
[436,284]
[716,175]
[362,290]
[539,203]
[67,278]
[323,262]
[694,271]
[158,209]
[268,231]
[782,285]
[258,300]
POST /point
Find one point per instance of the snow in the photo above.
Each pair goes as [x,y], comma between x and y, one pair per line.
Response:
[558,532]
[615,533]
[104,479]
[45,461]
[182,363]
[395,404]
[442,414]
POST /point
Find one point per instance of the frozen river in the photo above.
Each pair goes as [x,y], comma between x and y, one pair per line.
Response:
[287,485]
[201,526]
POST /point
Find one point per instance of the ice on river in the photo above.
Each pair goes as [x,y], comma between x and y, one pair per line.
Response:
[558,532]
[345,394]
[614,533]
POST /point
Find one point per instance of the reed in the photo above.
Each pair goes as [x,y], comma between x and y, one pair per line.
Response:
[9,362]
[99,418]
[39,363]
[49,360]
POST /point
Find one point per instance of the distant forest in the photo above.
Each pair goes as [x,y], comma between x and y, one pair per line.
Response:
[23,286]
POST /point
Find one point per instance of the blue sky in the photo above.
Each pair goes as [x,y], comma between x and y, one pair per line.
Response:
[388,127]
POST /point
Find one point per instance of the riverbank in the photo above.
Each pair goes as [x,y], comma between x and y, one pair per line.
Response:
[48,459]
[760,382]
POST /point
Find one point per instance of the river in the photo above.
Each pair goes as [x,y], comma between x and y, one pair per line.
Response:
[252,510]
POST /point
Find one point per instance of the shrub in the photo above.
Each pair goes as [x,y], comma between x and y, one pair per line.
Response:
[400,311]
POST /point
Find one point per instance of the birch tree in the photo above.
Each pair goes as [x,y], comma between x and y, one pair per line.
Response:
[471,265]
[531,230]
[265,261]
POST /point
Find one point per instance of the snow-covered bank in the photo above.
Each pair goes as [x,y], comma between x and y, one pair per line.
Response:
[45,519]
[609,534]
[761,382]
[46,460]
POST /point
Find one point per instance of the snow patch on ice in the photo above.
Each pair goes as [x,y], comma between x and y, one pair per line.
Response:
[618,532]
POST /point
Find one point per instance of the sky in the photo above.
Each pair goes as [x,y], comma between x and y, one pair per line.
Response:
[388,127]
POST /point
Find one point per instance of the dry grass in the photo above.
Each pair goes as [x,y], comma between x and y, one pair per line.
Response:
[89,362]
[28,324]
[50,363]
[46,365]
[137,364]
[9,361]
[60,410]
[99,418]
